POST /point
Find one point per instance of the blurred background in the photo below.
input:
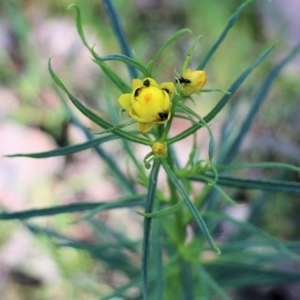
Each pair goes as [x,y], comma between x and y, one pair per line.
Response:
[32,119]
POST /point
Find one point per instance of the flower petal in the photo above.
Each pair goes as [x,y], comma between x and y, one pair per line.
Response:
[149,82]
[151,104]
[133,115]
[144,127]
[168,87]
[136,83]
[124,100]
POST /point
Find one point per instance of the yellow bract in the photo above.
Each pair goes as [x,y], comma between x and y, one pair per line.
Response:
[192,82]
[148,103]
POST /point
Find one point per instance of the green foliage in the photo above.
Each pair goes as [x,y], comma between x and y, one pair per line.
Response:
[174,265]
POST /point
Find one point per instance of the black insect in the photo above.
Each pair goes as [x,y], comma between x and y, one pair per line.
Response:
[183,80]
[166,90]
[136,92]
[163,116]
[146,83]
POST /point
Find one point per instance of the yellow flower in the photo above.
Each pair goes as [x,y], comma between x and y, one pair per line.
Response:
[148,103]
[192,81]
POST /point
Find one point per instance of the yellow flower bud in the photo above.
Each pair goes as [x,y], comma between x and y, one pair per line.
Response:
[192,82]
[148,103]
[159,148]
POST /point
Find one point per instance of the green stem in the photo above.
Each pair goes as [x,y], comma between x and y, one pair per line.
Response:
[174,200]
[147,225]
[168,126]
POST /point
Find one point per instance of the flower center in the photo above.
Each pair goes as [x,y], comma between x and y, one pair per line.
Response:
[147,96]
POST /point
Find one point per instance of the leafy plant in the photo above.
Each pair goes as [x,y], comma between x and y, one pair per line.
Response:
[173,264]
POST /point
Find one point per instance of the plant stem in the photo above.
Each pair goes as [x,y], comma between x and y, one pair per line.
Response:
[174,200]
[175,100]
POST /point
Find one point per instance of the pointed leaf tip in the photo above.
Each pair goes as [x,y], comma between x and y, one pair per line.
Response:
[73,5]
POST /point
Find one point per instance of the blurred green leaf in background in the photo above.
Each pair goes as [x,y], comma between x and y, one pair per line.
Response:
[215,217]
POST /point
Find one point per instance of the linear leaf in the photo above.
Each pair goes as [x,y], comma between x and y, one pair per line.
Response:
[120,83]
[260,165]
[158,260]
[112,75]
[129,201]
[255,104]
[205,276]
[117,173]
[211,146]
[91,115]
[109,255]
[229,24]
[223,101]
[119,33]
[126,60]
[117,293]
[235,274]
[225,196]
[164,212]
[191,206]
[147,225]
[270,185]
[254,230]
[189,55]
[68,149]
[164,46]
[79,24]
[127,147]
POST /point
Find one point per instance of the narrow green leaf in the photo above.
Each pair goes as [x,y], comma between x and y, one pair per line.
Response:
[189,55]
[158,260]
[126,60]
[164,46]
[79,24]
[68,149]
[117,173]
[112,75]
[191,206]
[211,146]
[251,245]
[205,276]
[260,165]
[164,212]
[270,185]
[255,104]
[115,127]
[117,80]
[161,66]
[147,226]
[119,33]
[187,279]
[245,275]
[110,256]
[214,90]
[114,236]
[226,197]
[129,201]
[231,21]
[223,100]
[100,208]
[119,292]
[127,147]
[236,85]
[256,231]
[91,115]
